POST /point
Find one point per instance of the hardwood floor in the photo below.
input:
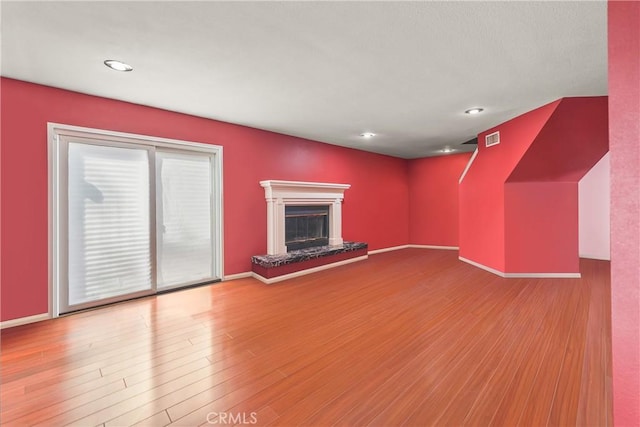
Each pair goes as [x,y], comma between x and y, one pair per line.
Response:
[410,337]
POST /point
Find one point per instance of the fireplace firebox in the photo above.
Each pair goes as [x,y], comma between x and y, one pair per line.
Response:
[306,227]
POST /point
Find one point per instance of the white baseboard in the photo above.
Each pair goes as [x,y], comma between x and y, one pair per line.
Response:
[308,271]
[522,275]
[392,248]
[598,257]
[238,276]
[24,320]
[395,248]
[543,275]
[484,267]
[449,248]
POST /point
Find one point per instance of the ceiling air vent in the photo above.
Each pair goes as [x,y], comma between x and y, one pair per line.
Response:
[492,139]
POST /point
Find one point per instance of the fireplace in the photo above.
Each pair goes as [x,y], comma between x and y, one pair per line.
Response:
[304,230]
[306,226]
[320,202]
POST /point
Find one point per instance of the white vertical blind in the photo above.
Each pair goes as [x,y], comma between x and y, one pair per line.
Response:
[108,222]
[184,218]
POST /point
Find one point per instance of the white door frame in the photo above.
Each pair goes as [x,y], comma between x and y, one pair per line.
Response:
[58,136]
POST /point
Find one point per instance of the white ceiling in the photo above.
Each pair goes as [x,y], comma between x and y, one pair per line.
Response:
[325,71]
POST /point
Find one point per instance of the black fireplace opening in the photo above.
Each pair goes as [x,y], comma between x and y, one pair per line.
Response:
[306,227]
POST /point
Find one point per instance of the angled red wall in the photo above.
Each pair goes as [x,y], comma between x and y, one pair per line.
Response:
[541,204]
[624,131]
[519,199]
[375,208]
[573,140]
[433,199]
[481,193]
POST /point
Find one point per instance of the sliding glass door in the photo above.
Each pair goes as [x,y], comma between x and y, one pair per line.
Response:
[109,239]
[131,218]
[185,215]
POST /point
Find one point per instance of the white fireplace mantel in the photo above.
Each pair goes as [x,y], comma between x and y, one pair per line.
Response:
[282,193]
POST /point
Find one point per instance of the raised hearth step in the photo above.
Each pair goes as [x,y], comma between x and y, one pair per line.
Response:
[271,261]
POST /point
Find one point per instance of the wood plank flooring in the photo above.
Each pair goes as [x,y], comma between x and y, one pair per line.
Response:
[410,337]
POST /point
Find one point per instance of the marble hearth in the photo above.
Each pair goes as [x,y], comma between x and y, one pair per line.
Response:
[273,268]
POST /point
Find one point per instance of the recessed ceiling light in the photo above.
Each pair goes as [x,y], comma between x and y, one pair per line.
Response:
[367,134]
[448,150]
[474,110]
[117,65]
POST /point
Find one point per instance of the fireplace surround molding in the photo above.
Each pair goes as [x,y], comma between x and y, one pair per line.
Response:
[279,194]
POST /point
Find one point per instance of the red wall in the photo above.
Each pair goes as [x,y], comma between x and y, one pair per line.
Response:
[375,208]
[624,131]
[541,227]
[481,193]
[519,200]
[433,199]
[541,224]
